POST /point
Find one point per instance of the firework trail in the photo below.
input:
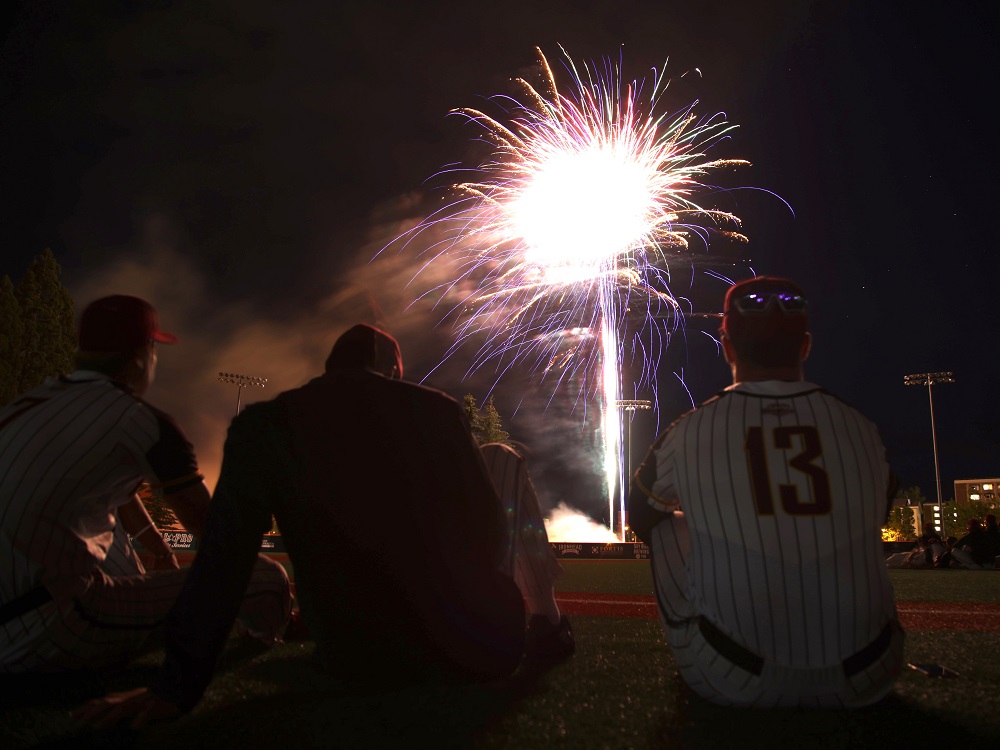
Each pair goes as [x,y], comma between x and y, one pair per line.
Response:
[560,246]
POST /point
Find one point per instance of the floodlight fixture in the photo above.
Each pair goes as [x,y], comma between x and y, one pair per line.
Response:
[241,381]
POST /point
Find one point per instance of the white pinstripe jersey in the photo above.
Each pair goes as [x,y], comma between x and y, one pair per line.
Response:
[72,451]
[784,488]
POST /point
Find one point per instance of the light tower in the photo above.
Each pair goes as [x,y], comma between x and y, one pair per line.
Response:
[930,379]
[630,405]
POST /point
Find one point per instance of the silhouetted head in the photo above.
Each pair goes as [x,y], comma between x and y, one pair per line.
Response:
[766,321]
[118,336]
[365,347]
[119,324]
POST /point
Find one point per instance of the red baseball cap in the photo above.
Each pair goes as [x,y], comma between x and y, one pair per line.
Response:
[120,323]
[765,306]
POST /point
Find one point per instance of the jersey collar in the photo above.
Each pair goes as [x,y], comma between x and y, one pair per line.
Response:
[773,387]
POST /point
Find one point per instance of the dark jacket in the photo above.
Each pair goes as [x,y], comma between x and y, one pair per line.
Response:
[389,517]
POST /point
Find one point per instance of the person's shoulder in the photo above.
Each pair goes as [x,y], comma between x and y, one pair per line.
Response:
[845,406]
[34,395]
[78,383]
[427,390]
[164,420]
[679,425]
[700,409]
[365,385]
[424,393]
[498,451]
[262,412]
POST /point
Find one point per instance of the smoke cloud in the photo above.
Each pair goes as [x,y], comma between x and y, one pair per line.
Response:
[569,525]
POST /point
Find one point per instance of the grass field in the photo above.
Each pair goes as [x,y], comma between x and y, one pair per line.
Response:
[619,691]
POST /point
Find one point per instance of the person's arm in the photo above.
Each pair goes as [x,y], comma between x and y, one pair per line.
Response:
[238,516]
[648,499]
[178,478]
[140,526]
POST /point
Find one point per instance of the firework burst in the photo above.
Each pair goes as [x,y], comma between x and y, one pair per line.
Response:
[566,233]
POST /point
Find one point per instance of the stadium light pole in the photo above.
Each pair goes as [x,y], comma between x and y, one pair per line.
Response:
[930,379]
[241,381]
[630,405]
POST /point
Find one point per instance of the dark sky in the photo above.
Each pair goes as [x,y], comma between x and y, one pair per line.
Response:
[240,162]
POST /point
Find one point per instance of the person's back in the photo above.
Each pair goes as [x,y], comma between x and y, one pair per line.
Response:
[383,492]
[388,515]
[975,549]
[763,509]
[933,547]
[73,452]
[992,535]
[805,503]
[65,478]
[67,461]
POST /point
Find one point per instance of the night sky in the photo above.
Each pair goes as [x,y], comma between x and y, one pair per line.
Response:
[240,164]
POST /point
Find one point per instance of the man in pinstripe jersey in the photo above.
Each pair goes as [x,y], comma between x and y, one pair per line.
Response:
[73,592]
[762,508]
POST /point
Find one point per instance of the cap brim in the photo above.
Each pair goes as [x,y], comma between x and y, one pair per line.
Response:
[163,337]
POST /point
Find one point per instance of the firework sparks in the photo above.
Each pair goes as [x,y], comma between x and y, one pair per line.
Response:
[568,229]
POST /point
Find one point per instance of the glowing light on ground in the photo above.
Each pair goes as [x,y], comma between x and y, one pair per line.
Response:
[568,525]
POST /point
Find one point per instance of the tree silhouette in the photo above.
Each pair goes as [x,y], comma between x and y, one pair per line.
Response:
[48,335]
[471,410]
[492,431]
[486,425]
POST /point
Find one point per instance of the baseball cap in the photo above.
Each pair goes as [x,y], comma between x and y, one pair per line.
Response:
[120,323]
[366,347]
[765,306]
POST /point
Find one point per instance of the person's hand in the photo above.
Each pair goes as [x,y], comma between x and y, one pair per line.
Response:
[139,705]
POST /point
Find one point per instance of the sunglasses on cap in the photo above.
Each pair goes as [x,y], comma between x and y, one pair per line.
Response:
[758,303]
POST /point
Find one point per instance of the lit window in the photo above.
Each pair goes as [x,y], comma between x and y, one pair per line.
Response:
[987,486]
[974,496]
[973,486]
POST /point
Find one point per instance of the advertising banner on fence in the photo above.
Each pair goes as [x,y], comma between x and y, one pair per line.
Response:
[600,551]
[183,541]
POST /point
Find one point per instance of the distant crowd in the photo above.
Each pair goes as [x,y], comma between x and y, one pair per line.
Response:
[978,549]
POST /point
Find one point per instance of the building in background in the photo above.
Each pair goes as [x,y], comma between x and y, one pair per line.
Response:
[977,490]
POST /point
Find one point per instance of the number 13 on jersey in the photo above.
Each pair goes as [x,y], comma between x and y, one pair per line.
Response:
[787,440]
